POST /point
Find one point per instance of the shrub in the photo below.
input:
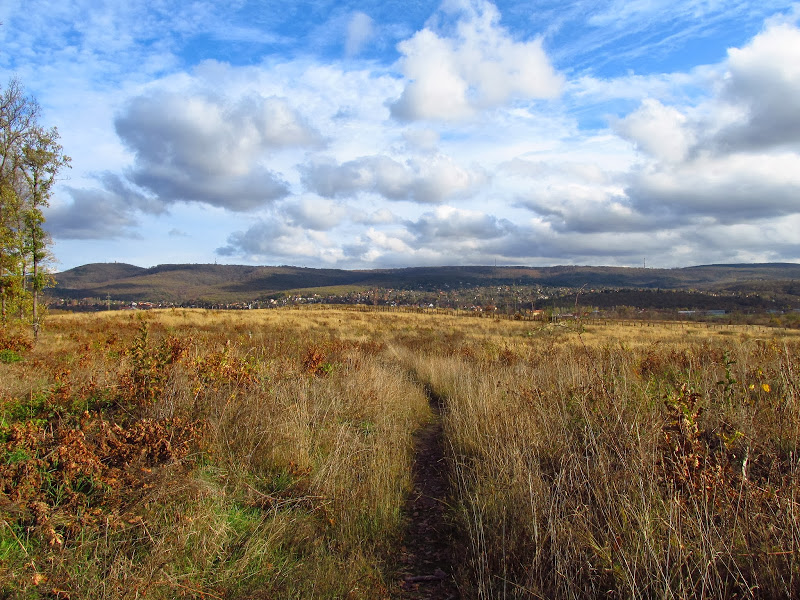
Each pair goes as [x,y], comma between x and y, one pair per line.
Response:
[9,356]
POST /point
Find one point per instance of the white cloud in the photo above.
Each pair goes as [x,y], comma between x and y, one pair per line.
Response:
[318,214]
[271,239]
[359,32]
[92,214]
[572,196]
[422,140]
[298,152]
[764,79]
[201,148]
[724,189]
[735,155]
[659,130]
[108,211]
[447,224]
[393,247]
[432,180]
[381,216]
[580,208]
[479,67]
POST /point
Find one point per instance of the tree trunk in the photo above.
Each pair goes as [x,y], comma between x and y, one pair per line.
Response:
[35,297]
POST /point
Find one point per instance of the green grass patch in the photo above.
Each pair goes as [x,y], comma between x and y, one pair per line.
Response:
[9,356]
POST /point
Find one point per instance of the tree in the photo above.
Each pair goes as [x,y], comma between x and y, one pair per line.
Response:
[30,160]
[42,159]
[17,115]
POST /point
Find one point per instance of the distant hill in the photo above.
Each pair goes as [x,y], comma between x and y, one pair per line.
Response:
[239,283]
[97,273]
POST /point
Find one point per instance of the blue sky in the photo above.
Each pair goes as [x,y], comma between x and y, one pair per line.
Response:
[390,134]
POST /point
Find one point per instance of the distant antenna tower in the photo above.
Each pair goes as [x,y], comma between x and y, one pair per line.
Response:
[644,263]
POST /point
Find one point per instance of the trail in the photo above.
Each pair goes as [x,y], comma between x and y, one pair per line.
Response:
[426,556]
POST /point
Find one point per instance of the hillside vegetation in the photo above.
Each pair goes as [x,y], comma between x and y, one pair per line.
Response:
[234,283]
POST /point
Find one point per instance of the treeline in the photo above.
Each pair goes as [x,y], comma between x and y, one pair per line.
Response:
[684,300]
[30,160]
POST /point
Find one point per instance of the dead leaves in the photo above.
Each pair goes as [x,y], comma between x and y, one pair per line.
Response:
[58,481]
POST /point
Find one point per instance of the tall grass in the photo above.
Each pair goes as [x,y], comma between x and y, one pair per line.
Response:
[660,471]
[230,457]
[267,454]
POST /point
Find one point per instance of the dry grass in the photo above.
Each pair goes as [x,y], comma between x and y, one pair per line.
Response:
[266,454]
[276,463]
[660,469]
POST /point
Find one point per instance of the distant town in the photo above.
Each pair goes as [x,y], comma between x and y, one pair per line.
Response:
[507,301]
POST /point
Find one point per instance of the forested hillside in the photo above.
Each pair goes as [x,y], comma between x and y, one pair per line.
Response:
[237,283]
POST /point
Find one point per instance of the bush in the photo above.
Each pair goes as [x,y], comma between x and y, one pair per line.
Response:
[9,356]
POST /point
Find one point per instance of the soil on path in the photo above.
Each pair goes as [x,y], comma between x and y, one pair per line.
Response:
[426,556]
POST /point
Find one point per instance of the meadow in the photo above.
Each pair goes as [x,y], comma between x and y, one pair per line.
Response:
[268,454]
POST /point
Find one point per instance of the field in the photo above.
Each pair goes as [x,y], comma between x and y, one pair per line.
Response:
[271,454]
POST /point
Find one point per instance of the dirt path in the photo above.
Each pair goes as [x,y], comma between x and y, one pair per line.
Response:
[426,559]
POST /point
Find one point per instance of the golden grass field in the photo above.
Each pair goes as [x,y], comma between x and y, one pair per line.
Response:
[267,454]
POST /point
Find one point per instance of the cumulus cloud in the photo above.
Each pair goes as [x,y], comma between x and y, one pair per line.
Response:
[734,156]
[480,66]
[658,130]
[445,235]
[430,181]
[207,149]
[699,166]
[92,215]
[390,248]
[725,189]
[576,196]
[750,247]
[381,216]
[359,32]
[764,79]
[447,224]
[756,108]
[108,211]
[541,244]
[269,239]
[315,213]
[573,207]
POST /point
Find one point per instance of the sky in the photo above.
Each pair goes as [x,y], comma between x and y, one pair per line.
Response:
[388,133]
